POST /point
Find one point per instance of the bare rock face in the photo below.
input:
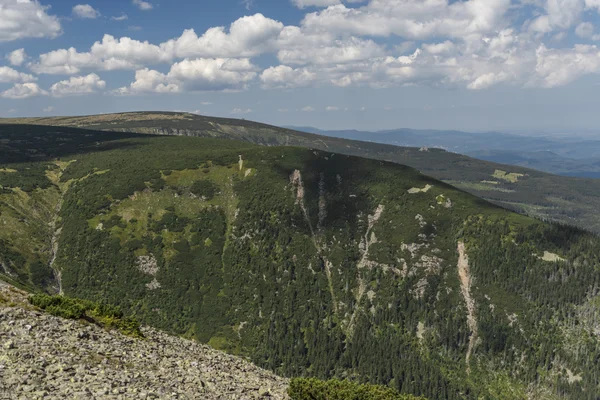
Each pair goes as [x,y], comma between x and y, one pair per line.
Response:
[42,356]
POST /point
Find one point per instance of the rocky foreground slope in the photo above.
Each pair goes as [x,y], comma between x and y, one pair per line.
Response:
[47,357]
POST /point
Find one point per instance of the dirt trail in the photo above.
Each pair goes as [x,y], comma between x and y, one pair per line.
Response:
[465,288]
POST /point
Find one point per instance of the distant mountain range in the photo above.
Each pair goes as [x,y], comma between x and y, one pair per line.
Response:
[570,157]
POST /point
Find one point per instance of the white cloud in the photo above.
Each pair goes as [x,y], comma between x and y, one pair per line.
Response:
[85,11]
[23,91]
[283,76]
[241,111]
[315,3]
[78,85]
[557,67]
[48,109]
[248,36]
[143,5]
[559,14]
[213,74]
[17,57]
[63,61]
[303,50]
[416,19]
[26,19]
[149,81]
[8,74]
[439,48]
[307,109]
[332,108]
[122,17]
[472,44]
[586,30]
[109,54]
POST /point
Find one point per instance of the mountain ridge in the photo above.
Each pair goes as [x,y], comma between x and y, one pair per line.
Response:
[572,201]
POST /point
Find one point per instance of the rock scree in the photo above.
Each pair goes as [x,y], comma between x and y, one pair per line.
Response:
[46,357]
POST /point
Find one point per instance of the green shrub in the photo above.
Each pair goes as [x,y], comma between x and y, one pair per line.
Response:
[315,389]
[204,188]
[107,316]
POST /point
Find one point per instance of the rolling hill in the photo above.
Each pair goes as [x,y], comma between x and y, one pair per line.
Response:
[308,262]
[572,201]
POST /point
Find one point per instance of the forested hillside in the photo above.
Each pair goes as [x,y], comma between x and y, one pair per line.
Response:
[573,201]
[309,262]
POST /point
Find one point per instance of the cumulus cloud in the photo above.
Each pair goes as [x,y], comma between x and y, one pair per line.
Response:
[17,57]
[48,109]
[560,14]
[304,50]
[215,74]
[286,77]
[246,37]
[122,17]
[26,19]
[143,5]
[78,85]
[307,109]
[8,74]
[149,81]
[472,44]
[416,19]
[23,91]
[108,54]
[85,11]
[557,67]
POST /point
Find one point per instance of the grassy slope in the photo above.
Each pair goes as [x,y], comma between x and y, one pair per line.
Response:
[568,200]
[326,277]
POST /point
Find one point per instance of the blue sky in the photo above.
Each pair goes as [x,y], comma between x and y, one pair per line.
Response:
[512,65]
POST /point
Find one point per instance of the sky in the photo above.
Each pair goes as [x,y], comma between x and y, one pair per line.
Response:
[478,65]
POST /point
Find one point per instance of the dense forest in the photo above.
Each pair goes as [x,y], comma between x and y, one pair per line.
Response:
[310,263]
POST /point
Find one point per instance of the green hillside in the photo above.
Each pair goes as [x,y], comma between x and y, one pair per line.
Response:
[309,262]
[567,200]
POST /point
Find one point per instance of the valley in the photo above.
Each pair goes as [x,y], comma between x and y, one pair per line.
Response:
[307,262]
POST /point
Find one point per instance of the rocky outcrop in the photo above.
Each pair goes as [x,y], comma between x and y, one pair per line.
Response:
[466,282]
[47,357]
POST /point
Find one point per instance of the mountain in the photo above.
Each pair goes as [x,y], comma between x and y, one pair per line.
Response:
[575,156]
[308,262]
[572,201]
